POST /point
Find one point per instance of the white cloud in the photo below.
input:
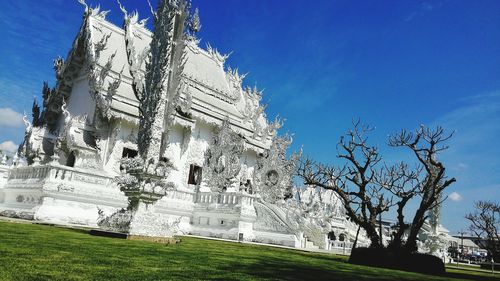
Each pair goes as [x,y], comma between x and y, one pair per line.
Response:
[10,118]
[460,167]
[8,146]
[455,197]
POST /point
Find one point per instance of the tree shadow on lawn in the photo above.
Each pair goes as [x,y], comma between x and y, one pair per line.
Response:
[472,276]
[318,268]
[330,268]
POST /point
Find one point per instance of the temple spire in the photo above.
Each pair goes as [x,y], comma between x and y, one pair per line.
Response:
[160,92]
[195,23]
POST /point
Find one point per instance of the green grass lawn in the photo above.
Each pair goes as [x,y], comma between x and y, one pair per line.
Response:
[39,252]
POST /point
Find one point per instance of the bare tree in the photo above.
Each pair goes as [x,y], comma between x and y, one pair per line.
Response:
[354,182]
[404,184]
[426,144]
[485,223]
[367,190]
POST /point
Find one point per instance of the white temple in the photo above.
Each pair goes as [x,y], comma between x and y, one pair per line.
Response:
[229,175]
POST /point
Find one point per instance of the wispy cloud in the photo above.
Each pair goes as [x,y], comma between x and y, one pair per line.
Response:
[423,8]
[8,146]
[10,118]
[474,155]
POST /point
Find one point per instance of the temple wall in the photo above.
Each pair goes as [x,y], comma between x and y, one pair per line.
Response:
[174,152]
[249,162]
[276,238]
[125,137]
[197,143]
[4,172]
[187,146]
[60,211]
[60,194]
[80,102]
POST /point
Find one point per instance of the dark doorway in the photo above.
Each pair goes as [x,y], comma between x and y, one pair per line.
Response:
[331,236]
[342,237]
[70,162]
[195,173]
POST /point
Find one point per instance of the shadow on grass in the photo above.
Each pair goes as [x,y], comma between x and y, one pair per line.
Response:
[38,252]
[469,275]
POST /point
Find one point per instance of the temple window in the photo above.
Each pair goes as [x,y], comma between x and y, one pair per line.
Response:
[249,187]
[331,236]
[195,173]
[342,237]
[129,153]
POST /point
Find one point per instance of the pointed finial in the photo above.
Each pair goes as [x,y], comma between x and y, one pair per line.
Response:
[84,4]
[195,23]
[64,109]
[153,13]
[26,121]
[122,8]
[15,160]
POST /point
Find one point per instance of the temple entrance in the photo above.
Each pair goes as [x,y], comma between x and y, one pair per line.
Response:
[195,173]
[331,236]
[70,161]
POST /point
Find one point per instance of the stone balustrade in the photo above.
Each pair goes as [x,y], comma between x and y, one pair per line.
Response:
[58,173]
[339,246]
[229,199]
[25,173]
[180,195]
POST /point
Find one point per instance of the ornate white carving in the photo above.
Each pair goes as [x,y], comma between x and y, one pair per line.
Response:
[96,12]
[222,159]
[271,218]
[216,56]
[274,172]
[59,67]
[98,76]
[187,101]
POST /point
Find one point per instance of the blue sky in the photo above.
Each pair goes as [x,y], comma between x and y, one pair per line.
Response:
[394,64]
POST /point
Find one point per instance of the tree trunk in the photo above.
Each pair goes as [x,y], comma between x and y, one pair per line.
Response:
[418,221]
[397,241]
[372,233]
[356,239]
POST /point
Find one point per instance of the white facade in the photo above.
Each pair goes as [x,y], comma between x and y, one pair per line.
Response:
[90,122]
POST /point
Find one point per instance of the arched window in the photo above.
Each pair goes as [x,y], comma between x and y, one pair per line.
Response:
[342,237]
[331,236]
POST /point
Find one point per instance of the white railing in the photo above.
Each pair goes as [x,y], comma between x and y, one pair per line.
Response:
[58,173]
[223,198]
[339,245]
[25,173]
[180,195]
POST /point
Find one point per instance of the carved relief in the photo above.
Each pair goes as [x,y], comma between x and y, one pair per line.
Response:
[185,103]
[269,219]
[216,56]
[222,159]
[98,76]
[274,172]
